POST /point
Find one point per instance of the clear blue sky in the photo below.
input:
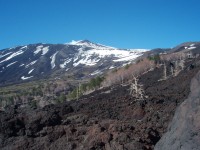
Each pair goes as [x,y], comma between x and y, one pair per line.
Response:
[119,23]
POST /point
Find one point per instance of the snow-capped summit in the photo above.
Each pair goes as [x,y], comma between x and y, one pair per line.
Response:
[88,43]
[81,42]
[97,46]
[82,58]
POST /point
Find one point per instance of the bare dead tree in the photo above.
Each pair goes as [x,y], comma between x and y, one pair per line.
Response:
[15,99]
[182,64]
[165,72]
[122,79]
[136,90]
[134,86]
[3,104]
[172,70]
[140,92]
[189,54]
[176,69]
[78,91]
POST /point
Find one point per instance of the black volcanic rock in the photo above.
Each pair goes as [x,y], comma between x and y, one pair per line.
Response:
[109,118]
[184,130]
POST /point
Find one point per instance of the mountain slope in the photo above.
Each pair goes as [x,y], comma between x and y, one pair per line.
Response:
[187,46]
[183,131]
[109,118]
[37,61]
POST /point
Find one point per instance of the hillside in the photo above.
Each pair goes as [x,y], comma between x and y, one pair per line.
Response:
[109,118]
[79,59]
[183,131]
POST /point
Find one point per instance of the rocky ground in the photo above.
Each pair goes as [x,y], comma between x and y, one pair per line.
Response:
[183,131]
[107,119]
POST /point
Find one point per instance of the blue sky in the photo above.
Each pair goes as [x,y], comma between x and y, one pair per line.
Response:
[118,23]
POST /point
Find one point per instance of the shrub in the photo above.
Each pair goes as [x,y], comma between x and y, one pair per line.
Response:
[124,75]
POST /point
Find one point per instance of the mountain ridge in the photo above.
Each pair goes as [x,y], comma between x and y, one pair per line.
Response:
[35,61]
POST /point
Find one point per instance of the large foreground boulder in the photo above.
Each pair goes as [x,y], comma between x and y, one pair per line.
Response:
[184,131]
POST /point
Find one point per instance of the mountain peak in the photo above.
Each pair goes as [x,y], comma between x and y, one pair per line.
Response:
[24,62]
[88,43]
[73,42]
[84,41]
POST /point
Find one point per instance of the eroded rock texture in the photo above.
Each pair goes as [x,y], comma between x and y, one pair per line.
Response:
[184,130]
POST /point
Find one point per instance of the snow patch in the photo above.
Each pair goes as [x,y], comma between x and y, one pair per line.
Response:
[86,58]
[86,43]
[127,58]
[23,47]
[53,58]
[45,50]
[96,72]
[87,61]
[38,49]
[13,55]
[32,63]
[21,65]
[5,54]
[65,63]
[41,48]
[92,56]
[115,53]
[11,64]
[191,48]
[30,71]
[73,42]
[111,67]
[25,78]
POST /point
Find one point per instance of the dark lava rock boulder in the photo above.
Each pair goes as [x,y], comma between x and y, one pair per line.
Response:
[184,131]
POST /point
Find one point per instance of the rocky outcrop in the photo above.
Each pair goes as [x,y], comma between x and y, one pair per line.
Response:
[184,131]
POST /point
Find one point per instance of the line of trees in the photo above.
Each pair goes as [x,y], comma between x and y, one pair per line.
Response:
[125,74]
[176,62]
[84,88]
[31,94]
